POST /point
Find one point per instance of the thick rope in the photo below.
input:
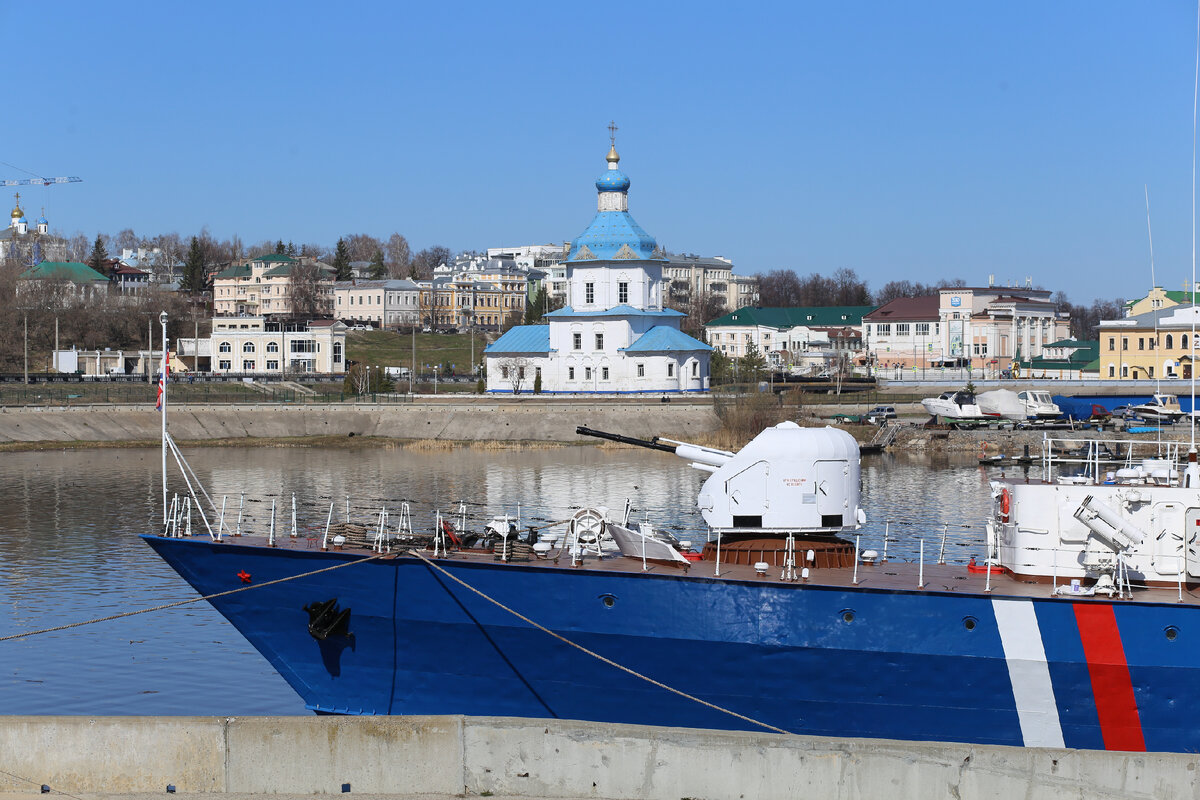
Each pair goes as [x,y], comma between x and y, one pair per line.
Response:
[192,600]
[593,653]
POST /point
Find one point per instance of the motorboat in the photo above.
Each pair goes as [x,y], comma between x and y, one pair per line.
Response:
[956,406]
[1038,404]
[1161,408]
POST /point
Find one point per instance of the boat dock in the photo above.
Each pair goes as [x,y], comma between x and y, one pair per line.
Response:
[455,756]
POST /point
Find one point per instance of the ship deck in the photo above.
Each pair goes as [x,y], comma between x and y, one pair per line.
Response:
[893,575]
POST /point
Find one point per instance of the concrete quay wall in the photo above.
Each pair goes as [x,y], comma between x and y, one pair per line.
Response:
[464,421]
[473,756]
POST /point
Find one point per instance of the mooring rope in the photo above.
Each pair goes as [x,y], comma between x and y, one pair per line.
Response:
[593,653]
[192,600]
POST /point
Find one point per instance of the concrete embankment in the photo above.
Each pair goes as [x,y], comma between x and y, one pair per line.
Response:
[452,420]
[448,756]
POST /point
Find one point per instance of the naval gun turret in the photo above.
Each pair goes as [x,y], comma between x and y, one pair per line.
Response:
[788,479]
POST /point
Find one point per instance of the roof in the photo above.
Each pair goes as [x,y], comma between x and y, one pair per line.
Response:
[1176,295]
[613,235]
[395,285]
[662,338]
[234,271]
[522,339]
[275,258]
[286,269]
[907,308]
[74,271]
[615,311]
[1169,317]
[783,318]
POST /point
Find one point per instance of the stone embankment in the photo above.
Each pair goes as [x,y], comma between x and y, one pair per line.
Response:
[488,756]
[449,420]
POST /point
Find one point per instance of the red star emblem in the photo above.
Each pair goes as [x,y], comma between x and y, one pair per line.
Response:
[245,576]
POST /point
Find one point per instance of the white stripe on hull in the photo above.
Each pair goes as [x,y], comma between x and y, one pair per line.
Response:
[1028,672]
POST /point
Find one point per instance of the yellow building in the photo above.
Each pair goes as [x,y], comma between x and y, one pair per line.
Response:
[1157,344]
[1158,298]
[262,287]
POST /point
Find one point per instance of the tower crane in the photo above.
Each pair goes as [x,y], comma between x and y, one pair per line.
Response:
[40,181]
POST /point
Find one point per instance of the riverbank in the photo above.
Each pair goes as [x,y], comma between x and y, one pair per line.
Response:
[457,756]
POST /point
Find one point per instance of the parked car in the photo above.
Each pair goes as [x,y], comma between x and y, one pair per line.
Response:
[1125,412]
[880,414]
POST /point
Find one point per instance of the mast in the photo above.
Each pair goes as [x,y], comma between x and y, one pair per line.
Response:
[162,397]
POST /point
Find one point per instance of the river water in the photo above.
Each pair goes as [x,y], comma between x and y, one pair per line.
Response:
[69,548]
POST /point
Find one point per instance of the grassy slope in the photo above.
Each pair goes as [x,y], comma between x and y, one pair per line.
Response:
[390,349]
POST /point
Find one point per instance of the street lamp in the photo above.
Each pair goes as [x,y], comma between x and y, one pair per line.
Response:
[435,376]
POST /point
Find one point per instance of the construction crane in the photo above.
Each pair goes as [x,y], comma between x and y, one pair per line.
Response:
[40,181]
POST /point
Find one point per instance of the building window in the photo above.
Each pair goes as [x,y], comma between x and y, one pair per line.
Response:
[1141,343]
[504,373]
[576,341]
[641,370]
[695,369]
[570,373]
[248,365]
[1124,372]
[604,373]
[1112,370]
[1150,372]
[883,329]
[1124,343]
[902,329]
[337,352]
[1183,341]
[599,341]
[670,369]
[922,329]
[587,373]
[225,365]
[272,366]
[225,347]
[248,347]
[1170,342]
[622,292]
[303,346]
[589,293]
[272,347]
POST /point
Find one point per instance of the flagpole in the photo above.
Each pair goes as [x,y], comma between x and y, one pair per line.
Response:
[162,376]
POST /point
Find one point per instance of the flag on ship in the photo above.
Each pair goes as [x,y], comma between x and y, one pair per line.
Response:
[162,380]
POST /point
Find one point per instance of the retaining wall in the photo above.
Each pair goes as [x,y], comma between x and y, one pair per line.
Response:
[455,421]
[547,758]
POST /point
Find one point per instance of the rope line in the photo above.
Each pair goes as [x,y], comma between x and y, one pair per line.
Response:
[16,777]
[189,601]
[593,653]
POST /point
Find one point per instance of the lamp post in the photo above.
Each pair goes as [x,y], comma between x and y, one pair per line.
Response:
[435,377]
[162,319]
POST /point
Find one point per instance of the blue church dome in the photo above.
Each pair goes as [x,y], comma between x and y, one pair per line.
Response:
[613,180]
[42,221]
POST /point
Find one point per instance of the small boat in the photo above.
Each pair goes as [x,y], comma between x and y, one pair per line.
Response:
[956,407]
[1161,408]
[1039,405]
[1002,403]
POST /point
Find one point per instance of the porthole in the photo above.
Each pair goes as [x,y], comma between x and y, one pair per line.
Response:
[1171,632]
[847,615]
[608,600]
[969,623]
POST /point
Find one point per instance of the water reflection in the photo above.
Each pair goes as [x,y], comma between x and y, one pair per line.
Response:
[69,550]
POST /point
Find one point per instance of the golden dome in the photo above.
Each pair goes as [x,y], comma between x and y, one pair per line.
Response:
[17,212]
[612,156]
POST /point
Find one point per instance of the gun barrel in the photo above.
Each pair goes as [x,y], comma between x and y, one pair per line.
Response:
[616,437]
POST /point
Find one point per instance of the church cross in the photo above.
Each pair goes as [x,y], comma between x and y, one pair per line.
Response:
[612,133]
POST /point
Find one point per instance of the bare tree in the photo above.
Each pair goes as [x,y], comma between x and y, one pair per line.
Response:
[361,246]
[424,262]
[126,239]
[515,371]
[399,256]
[307,291]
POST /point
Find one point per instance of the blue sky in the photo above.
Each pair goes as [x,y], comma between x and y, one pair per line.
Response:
[920,141]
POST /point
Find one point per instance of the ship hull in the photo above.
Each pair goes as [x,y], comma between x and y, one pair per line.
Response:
[810,659]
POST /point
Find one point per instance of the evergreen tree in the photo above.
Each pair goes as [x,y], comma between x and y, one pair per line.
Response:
[291,250]
[720,368]
[752,364]
[378,268]
[193,268]
[341,262]
[279,248]
[536,307]
[98,256]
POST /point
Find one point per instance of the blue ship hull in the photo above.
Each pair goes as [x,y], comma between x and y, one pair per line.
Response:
[809,659]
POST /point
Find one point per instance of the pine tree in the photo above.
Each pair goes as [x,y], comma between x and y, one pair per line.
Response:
[193,268]
[341,262]
[279,248]
[99,256]
[536,308]
[378,268]
[752,364]
[291,250]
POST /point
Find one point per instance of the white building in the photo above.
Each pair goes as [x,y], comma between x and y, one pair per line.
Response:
[615,336]
[254,345]
[383,304]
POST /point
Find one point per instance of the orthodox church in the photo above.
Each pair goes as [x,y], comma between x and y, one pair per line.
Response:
[30,247]
[614,336]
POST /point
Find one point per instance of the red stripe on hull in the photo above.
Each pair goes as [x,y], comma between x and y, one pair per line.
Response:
[1112,687]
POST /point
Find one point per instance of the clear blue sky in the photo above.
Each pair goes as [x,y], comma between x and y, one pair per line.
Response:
[921,141]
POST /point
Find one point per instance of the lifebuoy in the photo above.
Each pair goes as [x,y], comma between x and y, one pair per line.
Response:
[1005,504]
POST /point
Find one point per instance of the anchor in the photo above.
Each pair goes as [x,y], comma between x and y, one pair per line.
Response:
[326,619]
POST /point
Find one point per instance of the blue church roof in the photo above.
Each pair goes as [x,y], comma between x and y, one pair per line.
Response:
[662,338]
[613,180]
[615,311]
[522,339]
[614,235]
